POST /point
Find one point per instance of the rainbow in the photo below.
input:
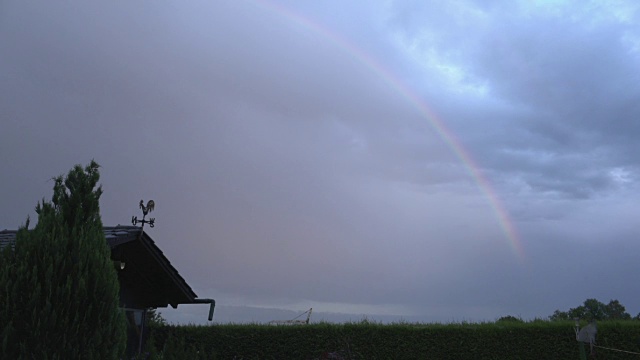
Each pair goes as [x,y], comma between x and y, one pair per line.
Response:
[436,123]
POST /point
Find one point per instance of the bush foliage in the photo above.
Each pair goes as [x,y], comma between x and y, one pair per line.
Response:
[59,287]
[500,340]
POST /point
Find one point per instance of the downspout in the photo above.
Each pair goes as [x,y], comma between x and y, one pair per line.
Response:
[207,301]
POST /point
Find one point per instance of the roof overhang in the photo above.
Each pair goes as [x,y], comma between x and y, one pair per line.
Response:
[148,280]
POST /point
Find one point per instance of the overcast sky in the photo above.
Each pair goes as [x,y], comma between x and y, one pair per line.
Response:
[457,160]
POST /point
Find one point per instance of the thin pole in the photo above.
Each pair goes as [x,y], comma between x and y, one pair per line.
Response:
[583,352]
[143,320]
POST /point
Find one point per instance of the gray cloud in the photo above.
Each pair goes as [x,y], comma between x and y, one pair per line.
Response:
[288,171]
[567,79]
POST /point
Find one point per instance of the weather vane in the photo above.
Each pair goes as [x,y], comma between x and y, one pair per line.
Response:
[145,210]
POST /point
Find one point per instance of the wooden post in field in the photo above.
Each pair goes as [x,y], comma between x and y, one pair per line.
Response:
[583,352]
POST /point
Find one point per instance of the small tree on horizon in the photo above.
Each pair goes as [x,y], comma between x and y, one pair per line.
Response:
[593,309]
[59,285]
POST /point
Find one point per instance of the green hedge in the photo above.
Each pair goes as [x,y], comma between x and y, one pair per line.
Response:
[534,340]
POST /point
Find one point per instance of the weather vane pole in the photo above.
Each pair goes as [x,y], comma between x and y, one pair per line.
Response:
[145,210]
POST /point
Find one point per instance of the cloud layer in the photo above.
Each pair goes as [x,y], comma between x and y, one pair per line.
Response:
[290,167]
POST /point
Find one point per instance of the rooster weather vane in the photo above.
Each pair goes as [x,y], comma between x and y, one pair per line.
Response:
[145,210]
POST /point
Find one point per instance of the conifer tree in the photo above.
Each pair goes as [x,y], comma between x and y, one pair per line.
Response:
[62,292]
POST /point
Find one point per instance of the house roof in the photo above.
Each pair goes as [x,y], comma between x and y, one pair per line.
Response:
[7,238]
[148,279]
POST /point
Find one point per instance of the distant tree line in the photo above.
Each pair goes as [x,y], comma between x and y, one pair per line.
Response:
[593,309]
